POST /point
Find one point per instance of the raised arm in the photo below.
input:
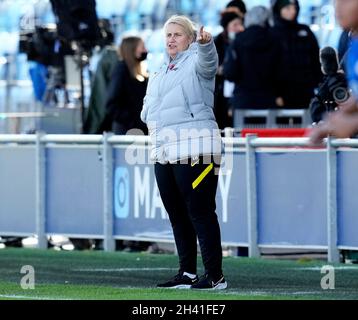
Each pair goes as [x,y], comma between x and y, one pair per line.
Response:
[207,61]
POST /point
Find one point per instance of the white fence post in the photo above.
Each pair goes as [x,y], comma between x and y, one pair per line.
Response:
[251,197]
[40,192]
[109,242]
[332,229]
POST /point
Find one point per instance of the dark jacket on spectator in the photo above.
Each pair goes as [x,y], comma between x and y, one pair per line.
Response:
[253,63]
[96,109]
[222,44]
[124,102]
[301,65]
[221,103]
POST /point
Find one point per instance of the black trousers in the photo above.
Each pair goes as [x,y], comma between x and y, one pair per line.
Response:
[188,193]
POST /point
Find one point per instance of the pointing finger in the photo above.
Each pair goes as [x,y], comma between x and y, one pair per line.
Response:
[201,34]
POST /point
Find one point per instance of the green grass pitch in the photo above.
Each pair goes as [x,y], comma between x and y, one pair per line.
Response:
[133,276]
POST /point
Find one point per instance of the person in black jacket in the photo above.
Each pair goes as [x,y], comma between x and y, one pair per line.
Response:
[253,62]
[232,24]
[126,90]
[302,71]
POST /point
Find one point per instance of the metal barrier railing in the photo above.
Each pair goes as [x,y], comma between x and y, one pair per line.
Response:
[249,145]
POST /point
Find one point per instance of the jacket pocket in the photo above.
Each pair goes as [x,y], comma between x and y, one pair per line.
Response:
[186,101]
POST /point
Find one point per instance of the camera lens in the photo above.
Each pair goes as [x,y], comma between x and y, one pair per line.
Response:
[340,94]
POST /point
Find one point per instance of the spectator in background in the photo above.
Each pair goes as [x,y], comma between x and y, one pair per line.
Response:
[347,16]
[103,63]
[343,45]
[232,24]
[353,67]
[239,6]
[302,69]
[124,101]
[127,89]
[253,63]
[102,77]
[344,122]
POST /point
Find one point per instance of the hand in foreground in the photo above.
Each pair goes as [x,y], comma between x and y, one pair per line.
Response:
[340,124]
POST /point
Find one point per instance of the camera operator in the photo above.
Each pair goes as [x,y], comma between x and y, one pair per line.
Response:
[334,88]
[43,46]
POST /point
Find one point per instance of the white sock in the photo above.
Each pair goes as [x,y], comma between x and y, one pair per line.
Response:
[190,275]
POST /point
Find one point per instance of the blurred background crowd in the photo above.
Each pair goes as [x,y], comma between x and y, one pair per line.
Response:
[59,74]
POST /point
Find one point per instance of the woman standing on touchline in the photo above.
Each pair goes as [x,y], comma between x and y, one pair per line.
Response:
[186,148]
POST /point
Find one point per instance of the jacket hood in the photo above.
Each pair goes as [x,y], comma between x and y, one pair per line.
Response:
[275,7]
[257,16]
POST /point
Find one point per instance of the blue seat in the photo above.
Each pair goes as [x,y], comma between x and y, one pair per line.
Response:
[187,6]
[147,7]
[132,20]
[105,8]
[118,8]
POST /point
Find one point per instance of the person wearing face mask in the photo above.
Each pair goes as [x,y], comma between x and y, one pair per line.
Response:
[127,89]
[301,73]
[186,149]
[232,24]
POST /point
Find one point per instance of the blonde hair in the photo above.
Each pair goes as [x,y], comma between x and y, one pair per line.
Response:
[187,25]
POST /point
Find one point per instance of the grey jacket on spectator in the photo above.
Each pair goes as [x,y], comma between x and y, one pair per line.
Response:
[178,106]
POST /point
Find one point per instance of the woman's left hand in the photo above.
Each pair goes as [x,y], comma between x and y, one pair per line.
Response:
[204,37]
